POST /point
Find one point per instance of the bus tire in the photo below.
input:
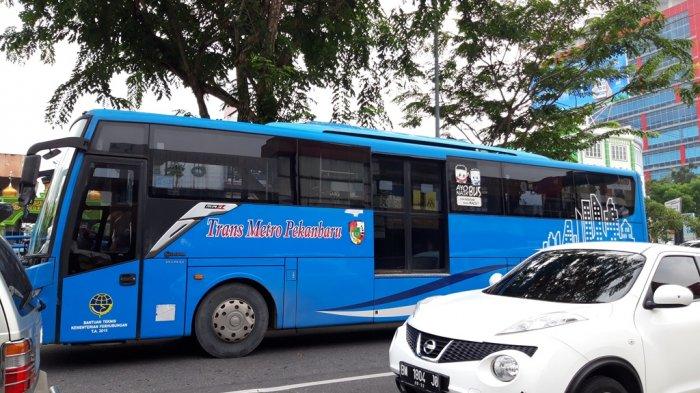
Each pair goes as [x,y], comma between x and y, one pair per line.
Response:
[231,321]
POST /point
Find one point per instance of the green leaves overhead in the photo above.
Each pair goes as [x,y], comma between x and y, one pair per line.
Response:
[505,65]
[509,63]
[261,58]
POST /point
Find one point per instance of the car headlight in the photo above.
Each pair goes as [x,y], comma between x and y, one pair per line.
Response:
[422,303]
[543,322]
[505,368]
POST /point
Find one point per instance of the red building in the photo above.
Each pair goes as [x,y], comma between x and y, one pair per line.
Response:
[677,124]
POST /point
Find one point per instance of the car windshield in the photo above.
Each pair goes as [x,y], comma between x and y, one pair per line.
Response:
[572,276]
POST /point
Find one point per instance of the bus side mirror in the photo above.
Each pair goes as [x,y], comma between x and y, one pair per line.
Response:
[5,211]
[27,186]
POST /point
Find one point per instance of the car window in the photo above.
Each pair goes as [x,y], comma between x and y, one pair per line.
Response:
[678,270]
[14,275]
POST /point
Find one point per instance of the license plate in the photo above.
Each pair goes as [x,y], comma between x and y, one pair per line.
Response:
[423,379]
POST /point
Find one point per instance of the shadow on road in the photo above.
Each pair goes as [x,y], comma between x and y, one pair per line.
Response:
[57,358]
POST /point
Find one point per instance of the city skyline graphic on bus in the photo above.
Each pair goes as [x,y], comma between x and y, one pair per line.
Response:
[594,222]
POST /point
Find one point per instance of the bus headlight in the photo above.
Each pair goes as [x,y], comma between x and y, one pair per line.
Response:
[505,368]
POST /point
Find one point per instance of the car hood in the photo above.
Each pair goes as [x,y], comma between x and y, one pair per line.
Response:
[476,316]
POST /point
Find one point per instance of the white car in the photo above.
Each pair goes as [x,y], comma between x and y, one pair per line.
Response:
[584,318]
[20,325]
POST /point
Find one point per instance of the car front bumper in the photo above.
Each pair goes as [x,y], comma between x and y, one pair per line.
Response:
[549,370]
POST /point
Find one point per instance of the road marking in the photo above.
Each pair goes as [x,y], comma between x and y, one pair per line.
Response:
[316,383]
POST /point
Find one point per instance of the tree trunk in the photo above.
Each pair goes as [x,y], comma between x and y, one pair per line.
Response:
[244,109]
[267,106]
[274,14]
[201,104]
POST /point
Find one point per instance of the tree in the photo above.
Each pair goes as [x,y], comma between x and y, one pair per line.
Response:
[662,220]
[260,58]
[683,174]
[684,184]
[510,63]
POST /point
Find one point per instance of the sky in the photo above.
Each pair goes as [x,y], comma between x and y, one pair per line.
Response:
[27,87]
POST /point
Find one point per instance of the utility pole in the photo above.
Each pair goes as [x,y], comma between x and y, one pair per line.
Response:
[436,56]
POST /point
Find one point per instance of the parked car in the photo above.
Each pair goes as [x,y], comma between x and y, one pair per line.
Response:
[584,318]
[20,327]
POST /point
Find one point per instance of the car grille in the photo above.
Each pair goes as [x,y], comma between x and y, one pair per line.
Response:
[448,350]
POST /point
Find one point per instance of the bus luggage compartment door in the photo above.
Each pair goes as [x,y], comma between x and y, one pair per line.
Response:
[163,298]
[335,291]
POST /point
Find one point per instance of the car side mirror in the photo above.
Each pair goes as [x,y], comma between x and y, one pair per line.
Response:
[6,211]
[671,296]
[495,278]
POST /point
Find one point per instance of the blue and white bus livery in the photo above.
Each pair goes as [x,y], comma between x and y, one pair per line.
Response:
[162,226]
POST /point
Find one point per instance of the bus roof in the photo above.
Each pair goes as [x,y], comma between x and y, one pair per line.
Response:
[349,130]
[381,142]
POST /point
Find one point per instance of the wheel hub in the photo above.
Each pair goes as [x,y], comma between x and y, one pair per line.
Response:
[233,320]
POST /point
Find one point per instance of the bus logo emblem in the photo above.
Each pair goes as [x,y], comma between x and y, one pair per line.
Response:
[357,231]
[101,304]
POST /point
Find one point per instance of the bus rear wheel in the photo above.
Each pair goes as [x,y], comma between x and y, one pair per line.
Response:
[231,321]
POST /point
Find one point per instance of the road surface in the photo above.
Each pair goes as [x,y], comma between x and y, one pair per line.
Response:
[346,361]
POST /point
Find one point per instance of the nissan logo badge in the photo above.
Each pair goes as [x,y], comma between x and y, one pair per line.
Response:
[429,346]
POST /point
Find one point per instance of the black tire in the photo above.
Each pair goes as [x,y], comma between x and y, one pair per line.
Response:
[601,384]
[209,338]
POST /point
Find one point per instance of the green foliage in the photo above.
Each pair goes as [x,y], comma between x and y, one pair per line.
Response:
[260,58]
[684,174]
[661,220]
[682,183]
[510,62]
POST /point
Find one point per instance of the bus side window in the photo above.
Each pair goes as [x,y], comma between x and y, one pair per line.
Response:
[475,186]
[221,165]
[333,175]
[536,191]
[608,190]
[105,233]
[120,138]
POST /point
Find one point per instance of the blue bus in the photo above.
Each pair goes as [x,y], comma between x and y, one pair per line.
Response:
[161,226]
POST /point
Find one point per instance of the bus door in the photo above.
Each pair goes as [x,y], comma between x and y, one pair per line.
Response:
[101,258]
[410,233]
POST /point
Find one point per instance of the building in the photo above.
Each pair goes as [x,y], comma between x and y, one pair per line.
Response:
[10,170]
[623,152]
[676,124]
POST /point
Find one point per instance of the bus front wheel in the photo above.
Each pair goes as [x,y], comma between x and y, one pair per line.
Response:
[231,321]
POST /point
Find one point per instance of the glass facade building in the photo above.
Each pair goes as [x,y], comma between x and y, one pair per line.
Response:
[673,124]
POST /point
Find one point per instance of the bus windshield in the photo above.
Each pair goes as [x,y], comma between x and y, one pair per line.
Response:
[41,235]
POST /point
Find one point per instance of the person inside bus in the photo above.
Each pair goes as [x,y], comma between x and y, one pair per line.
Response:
[120,225]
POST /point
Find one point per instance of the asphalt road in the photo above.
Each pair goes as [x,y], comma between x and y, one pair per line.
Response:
[314,362]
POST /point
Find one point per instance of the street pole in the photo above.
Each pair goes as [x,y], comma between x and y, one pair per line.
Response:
[436,57]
